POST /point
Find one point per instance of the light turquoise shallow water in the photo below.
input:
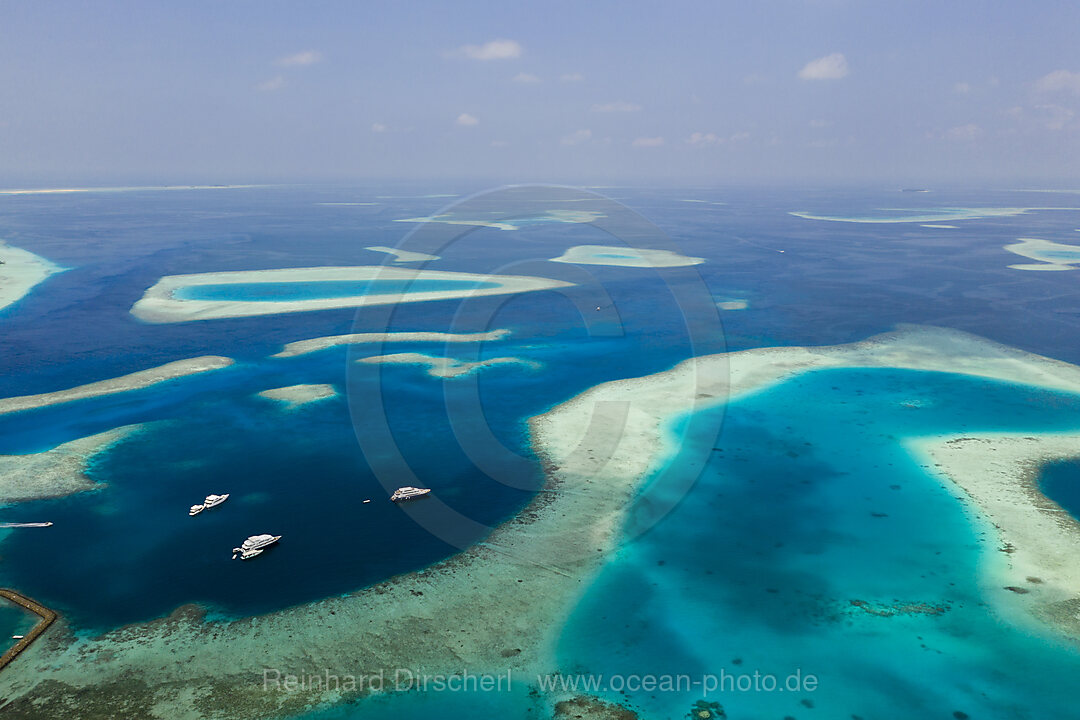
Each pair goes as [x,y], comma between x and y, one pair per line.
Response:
[808,506]
[321,289]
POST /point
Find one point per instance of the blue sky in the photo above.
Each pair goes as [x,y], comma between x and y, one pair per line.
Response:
[719,92]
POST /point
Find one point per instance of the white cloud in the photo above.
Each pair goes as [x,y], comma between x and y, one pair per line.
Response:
[572,77]
[648,142]
[962,88]
[378,128]
[493,50]
[467,120]
[307,57]
[527,78]
[577,137]
[706,139]
[1055,117]
[617,106]
[830,67]
[274,83]
[1059,80]
[968,132]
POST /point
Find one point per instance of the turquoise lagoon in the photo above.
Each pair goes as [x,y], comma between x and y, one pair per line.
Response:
[320,290]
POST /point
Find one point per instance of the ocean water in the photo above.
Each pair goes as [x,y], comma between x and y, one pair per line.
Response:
[320,290]
[804,511]
[812,543]
[14,620]
[1060,482]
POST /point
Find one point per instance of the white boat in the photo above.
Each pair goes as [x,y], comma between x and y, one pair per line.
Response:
[209,502]
[214,500]
[409,493]
[254,545]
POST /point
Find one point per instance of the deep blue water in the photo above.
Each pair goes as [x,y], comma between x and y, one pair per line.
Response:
[1060,482]
[320,290]
[819,524]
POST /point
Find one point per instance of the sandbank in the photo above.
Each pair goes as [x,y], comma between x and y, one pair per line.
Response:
[161,303]
[132,381]
[942,227]
[293,396]
[403,256]
[444,367]
[1051,255]
[301,347]
[20,271]
[1037,571]
[498,604]
[733,304]
[556,216]
[56,472]
[622,256]
[924,216]
[129,188]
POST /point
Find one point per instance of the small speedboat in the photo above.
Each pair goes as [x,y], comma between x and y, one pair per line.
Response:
[254,546]
[209,502]
[409,493]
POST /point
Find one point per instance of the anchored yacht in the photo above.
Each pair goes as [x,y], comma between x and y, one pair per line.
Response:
[409,493]
[209,502]
[254,545]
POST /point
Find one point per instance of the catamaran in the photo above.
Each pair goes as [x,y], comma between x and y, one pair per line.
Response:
[209,502]
[409,493]
[254,545]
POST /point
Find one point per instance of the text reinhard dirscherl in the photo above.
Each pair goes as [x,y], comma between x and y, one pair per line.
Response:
[407,680]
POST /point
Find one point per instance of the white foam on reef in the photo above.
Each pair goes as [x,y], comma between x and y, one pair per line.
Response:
[925,216]
[403,256]
[617,256]
[302,347]
[502,603]
[1048,253]
[733,304]
[20,272]
[555,216]
[293,396]
[56,472]
[161,304]
[444,367]
[132,381]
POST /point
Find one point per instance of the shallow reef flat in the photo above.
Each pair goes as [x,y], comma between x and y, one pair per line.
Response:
[444,367]
[1051,255]
[302,347]
[294,396]
[928,215]
[1040,541]
[164,302]
[20,271]
[554,216]
[56,472]
[635,446]
[403,256]
[617,256]
[132,381]
[499,604]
